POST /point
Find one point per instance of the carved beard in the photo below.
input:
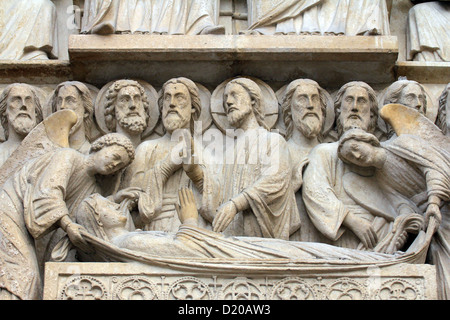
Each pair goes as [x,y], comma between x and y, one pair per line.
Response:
[310,126]
[173,121]
[134,124]
[350,123]
[235,117]
[23,125]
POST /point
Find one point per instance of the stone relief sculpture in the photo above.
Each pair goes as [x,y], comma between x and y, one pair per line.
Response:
[305,110]
[20,112]
[365,202]
[258,196]
[74,95]
[320,17]
[425,147]
[159,170]
[190,17]
[329,207]
[409,93]
[124,106]
[428,38]
[106,221]
[28,30]
[40,198]
[443,120]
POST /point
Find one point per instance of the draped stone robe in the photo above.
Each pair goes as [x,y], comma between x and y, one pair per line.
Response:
[346,17]
[260,170]
[428,35]
[146,173]
[33,201]
[328,203]
[188,17]
[28,30]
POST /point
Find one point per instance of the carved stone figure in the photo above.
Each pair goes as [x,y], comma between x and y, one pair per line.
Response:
[20,112]
[189,17]
[409,93]
[127,109]
[41,197]
[258,195]
[329,207]
[107,222]
[159,170]
[304,109]
[325,17]
[116,16]
[76,96]
[28,30]
[424,147]
[428,38]
[443,117]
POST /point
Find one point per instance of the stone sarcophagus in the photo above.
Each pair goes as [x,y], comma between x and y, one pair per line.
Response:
[119,281]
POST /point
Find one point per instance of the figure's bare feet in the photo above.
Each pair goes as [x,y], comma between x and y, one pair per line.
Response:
[187,209]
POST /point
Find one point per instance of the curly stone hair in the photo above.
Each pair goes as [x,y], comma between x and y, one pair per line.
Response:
[111,96]
[111,139]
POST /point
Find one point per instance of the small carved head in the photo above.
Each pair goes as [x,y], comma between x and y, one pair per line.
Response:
[409,93]
[127,105]
[179,103]
[98,214]
[75,96]
[111,153]
[443,116]
[361,148]
[304,107]
[356,106]
[20,109]
[242,97]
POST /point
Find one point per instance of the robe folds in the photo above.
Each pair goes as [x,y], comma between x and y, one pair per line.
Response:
[428,35]
[28,30]
[33,201]
[345,17]
[258,167]
[327,201]
[187,17]
[147,173]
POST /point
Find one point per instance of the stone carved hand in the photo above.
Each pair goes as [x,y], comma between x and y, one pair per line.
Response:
[433,211]
[187,209]
[225,214]
[73,230]
[362,229]
[131,193]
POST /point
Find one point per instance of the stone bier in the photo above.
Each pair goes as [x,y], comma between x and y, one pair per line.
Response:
[224,149]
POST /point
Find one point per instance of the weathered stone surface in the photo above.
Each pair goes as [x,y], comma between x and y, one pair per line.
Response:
[118,281]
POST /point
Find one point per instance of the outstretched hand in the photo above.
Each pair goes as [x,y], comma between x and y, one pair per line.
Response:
[225,214]
[187,209]
[73,231]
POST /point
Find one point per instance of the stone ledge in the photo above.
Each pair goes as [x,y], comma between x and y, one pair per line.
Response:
[210,59]
[266,48]
[35,72]
[424,72]
[114,281]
